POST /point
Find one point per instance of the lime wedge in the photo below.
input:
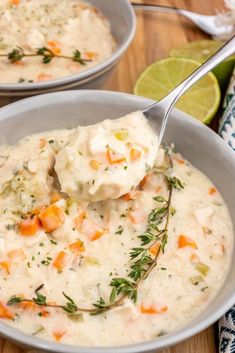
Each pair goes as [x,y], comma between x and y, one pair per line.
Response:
[201,101]
[200,51]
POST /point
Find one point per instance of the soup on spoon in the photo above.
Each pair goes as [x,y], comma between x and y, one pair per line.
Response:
[107,160]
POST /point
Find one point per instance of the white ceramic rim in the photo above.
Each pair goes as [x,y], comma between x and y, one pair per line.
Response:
[28,341]
[87,74]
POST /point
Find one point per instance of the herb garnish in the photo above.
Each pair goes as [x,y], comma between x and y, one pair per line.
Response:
[47,55]
[142,262]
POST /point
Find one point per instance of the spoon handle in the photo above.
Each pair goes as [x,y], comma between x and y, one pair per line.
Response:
[168,102]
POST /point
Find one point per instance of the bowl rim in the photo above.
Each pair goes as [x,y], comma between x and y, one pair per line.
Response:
[175,337]
[86,74]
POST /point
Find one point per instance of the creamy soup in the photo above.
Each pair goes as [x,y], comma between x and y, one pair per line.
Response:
[61,26]
[72,271]
[107,160]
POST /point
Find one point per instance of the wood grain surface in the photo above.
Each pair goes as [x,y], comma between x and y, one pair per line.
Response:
[156,35]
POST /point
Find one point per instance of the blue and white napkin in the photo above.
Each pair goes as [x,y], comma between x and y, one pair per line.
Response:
[227,132]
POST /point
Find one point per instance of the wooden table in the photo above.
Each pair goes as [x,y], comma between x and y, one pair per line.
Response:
[156,35]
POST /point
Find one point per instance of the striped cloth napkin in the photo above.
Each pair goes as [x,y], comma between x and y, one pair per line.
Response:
[227,132]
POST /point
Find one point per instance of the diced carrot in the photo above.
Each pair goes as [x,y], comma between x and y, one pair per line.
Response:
[44,313]
[52,217]
[54,46]
[17,254]
[114,157]
[154,250]
[92,230]
[79,219]
[212,191]
[56,196]
[130,196]
[5,313]
[94,164]
[58,335]
[152,309]
[14,2]
[44,77]
[158,188]
[5,265]
[31,306]
[42,143]
[78,246]
[61,260]
[180,161]
[135,154]
[194,257]
[143,183]
[137,217]
[184,241]
[29,226]
[91,55]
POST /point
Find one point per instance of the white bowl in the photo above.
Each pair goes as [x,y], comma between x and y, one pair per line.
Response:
[205,149]
[122,19]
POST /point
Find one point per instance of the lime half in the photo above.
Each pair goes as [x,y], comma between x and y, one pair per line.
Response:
[201,101]
[200,51]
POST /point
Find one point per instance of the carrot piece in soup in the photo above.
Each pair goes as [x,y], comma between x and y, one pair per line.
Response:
[212,191]
[5,266]
[56,196]
[184,241]
[91,55]
[54,46]
[135,154]
[94,164]
[130,195]
[44,77]
[92,230]
[5,313]
[78,246]
[143,183]
[58,335]
[30,225]
[61,260]
[42,143]
[79,219]
[155,249]
[17,254]
[152,309]
[52,217]
[114,157]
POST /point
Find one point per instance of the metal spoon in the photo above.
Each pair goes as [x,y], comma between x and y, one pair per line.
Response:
[208,24]
[158,112]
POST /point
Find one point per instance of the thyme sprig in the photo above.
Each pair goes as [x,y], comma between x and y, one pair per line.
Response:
[47,55]
[142,262]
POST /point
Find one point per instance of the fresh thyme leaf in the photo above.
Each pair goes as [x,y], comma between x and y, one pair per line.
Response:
[113,295]
[15,55]
[146,238]
[135,252]
[100,304]
[125,287]
[175,182]
[70,306]
[14,300]
[159,199]
[77,57]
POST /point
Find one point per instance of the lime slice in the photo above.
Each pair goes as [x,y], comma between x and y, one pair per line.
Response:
[201,101]
[200,51]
